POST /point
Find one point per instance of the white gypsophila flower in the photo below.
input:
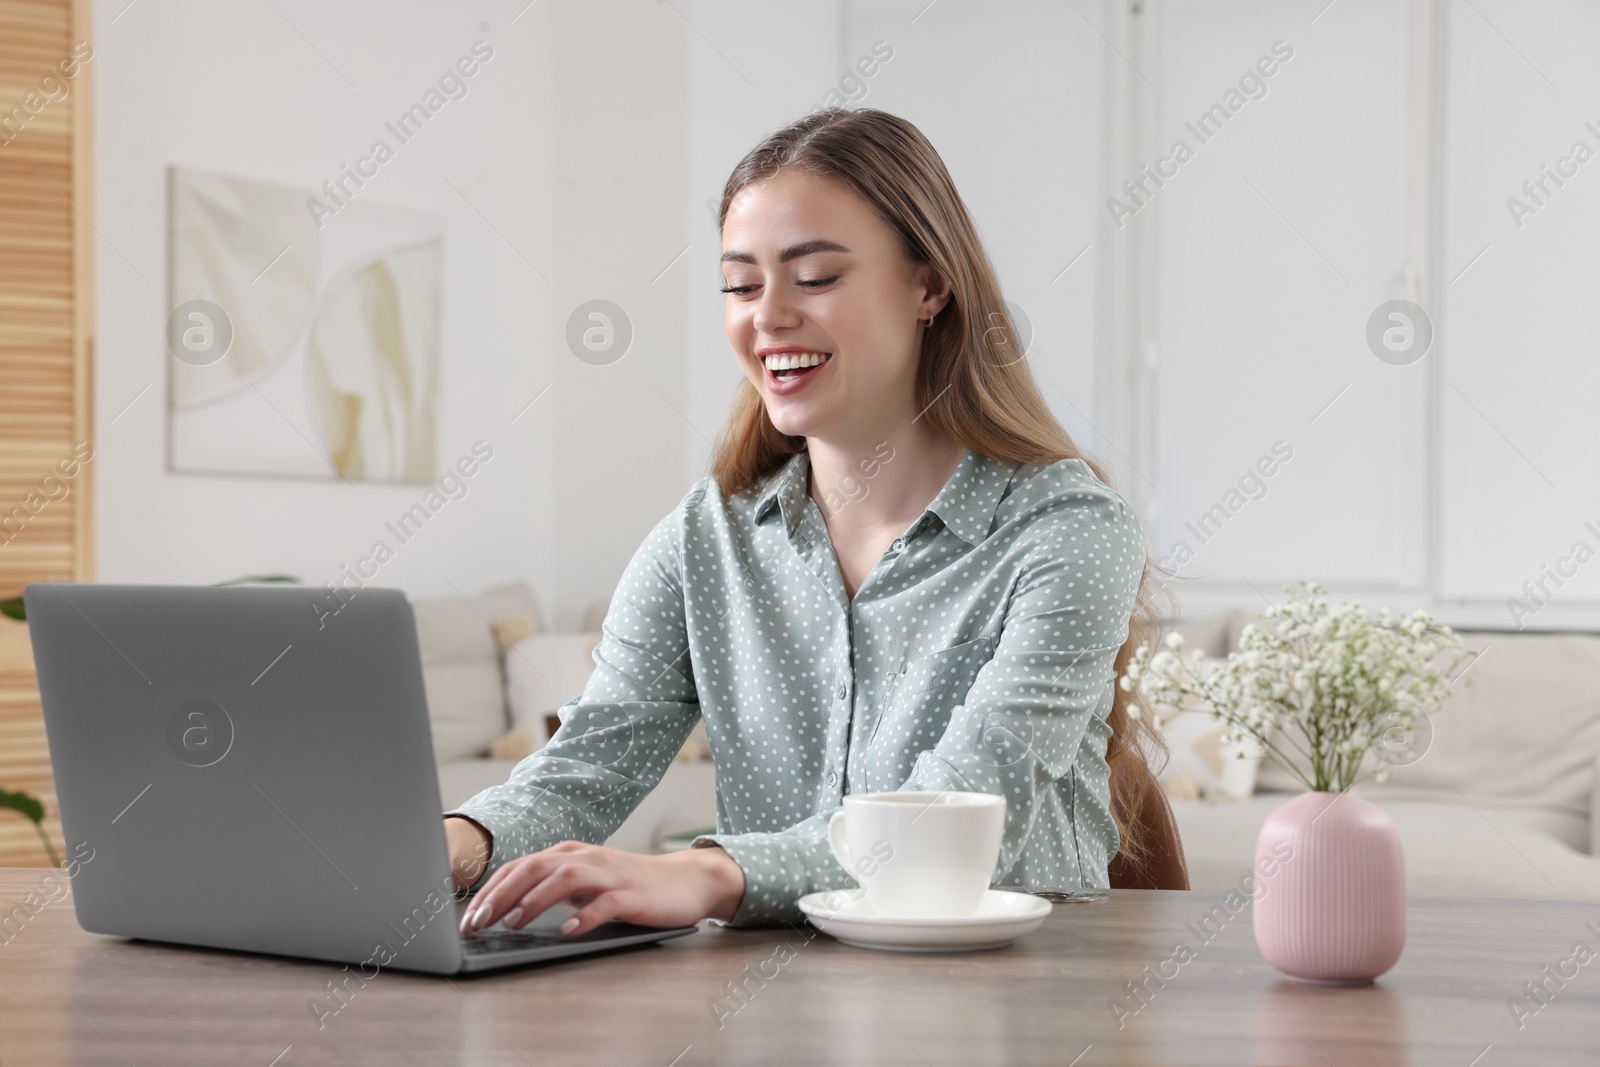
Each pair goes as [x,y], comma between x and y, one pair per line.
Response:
[1316,689]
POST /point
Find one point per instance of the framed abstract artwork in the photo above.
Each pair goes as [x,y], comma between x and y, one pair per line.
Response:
[301,342]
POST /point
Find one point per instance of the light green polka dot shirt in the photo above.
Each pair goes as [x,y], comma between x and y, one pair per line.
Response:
[976,656]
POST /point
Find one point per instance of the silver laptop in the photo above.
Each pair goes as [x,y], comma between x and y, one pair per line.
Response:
[251,768]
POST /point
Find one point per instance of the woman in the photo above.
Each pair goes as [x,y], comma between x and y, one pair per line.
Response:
[901,574]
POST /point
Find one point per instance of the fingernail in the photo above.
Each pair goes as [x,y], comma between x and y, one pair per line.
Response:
[510,919]
[473,918]
[570,925]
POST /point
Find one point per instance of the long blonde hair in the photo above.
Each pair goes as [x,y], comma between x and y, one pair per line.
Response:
[970,360]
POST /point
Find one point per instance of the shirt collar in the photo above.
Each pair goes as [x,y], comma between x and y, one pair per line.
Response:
[968,501]
[786,489]
[966,504]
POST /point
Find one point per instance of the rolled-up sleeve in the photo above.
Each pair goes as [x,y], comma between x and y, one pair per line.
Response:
[1033,717]
[619,735]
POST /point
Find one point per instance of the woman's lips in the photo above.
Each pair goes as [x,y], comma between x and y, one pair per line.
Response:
[784,386]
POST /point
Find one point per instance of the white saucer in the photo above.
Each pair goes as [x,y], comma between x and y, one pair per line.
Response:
[1000,919]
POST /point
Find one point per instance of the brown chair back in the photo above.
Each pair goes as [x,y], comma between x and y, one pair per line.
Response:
[1164,866]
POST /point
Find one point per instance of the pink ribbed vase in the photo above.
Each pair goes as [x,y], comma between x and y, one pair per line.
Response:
[1331,906]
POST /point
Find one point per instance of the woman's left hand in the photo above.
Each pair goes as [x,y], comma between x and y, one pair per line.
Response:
[675,889]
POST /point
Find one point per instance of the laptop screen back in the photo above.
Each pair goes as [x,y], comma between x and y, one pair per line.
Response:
[247,769]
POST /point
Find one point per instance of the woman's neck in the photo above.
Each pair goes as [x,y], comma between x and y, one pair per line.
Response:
[887,483]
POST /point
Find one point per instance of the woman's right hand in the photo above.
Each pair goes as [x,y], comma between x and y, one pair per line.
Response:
[470,847]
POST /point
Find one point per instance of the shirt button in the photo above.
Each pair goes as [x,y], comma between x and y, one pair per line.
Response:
[841,692]
[833,779]
[899,544]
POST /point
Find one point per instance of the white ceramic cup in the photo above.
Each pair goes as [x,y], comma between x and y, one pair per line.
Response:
[920,855]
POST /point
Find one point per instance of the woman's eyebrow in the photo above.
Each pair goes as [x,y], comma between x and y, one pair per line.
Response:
[806,248]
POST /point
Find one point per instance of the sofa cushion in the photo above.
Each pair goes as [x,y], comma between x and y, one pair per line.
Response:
[1451,850]
[1212,635]
[544,672]
[1271,776]
[461,676]
[1200,764]
[462,779]
[1523,734]
[511,609]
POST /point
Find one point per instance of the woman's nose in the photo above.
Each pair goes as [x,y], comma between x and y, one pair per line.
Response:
[774,311]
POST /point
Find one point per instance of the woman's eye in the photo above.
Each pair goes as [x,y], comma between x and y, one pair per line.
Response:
[810,283]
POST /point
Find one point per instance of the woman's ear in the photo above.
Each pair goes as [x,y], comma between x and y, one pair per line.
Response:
[936,290]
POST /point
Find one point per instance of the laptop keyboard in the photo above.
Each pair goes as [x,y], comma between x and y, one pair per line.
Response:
[504,941]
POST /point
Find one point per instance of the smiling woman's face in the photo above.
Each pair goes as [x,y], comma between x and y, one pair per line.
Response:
[814,269]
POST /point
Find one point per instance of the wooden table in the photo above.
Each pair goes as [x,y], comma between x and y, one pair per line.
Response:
[84,999]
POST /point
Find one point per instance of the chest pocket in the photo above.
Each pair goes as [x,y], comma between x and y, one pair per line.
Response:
[943,676]
[916,706]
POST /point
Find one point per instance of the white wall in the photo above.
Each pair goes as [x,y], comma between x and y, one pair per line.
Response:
[1277,239]
[590,147]
[1521,484]
[1443,484]
[1010,96]
[569,161]
[619,82]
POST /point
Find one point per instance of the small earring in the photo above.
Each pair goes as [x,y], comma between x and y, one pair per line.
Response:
[929,320]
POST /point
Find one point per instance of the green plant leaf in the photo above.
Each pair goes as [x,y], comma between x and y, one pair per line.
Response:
[24,803]
[34,810]
[14,608]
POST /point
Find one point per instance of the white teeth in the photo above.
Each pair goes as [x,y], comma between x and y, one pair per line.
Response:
[796,360]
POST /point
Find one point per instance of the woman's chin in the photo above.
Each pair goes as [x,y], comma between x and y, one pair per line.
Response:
[790,422]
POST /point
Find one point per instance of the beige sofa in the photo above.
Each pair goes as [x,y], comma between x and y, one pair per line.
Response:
[1502,802]
[493,678]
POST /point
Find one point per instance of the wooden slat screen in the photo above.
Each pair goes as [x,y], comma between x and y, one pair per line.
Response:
[46,326]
